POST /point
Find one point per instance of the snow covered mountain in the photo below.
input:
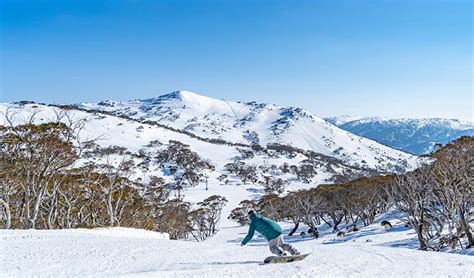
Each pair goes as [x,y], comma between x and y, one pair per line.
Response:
[294,146]
[257,123]
[418,136]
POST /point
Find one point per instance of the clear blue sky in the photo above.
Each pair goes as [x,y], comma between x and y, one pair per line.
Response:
[393,58]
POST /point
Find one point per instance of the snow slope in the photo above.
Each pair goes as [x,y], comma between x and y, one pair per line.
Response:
[417,136]
[257,123]
[136,137]
[368,253]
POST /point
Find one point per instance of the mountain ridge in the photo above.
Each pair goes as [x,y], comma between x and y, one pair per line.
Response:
[417,136]
[251,123]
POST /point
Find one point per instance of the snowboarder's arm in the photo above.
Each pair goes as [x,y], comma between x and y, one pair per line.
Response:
[249,235]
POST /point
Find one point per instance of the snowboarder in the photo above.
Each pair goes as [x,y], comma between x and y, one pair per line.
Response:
[272,232]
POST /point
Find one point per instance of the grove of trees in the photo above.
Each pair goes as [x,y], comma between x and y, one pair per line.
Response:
[44,184]
[436,200]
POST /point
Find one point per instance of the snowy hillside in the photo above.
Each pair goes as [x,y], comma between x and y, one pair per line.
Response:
[135,137]
[258,123]
[119,137]
[418,136]
[141,142]
[371,252]
[334,154]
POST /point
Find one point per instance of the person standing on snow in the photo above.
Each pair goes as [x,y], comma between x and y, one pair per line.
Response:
[271,231]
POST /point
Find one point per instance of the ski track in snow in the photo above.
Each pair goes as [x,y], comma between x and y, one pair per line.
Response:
[137,253]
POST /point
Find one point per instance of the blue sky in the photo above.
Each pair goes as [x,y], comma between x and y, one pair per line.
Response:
[387,58]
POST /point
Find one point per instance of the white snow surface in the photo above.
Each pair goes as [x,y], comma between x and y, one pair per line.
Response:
[371,252]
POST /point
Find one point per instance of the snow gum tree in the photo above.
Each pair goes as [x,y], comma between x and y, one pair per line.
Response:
[37,153]
[213,206]
[453,190]
[412,194]
[112,181]
[45,183]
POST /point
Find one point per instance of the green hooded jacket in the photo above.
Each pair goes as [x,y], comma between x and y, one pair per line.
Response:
[265,226]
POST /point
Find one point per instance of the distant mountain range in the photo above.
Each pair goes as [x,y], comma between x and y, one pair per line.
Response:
[417,136]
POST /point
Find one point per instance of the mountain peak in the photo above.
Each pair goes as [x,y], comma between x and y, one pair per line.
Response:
[186,96]
[181,94]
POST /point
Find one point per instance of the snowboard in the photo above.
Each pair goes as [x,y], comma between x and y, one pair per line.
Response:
[284,259]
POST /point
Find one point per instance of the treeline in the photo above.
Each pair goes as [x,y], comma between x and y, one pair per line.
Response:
[44,184]
[354,202]
[436,200]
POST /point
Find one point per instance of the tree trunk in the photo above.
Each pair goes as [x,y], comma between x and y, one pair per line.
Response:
[68,218]
[110,210]
[421,239]
[36,207]
[466,229]
[6,206]
[294,229]
[52,210]
[336,221]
